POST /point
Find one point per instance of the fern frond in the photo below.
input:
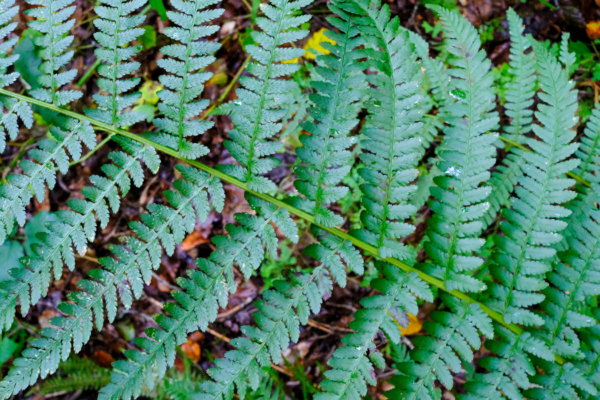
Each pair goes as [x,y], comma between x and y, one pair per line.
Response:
[260,106]
[454,335]
[519,99]
[589,169]
[524,252]
[116,30]
[435,71]
[279,316]
[54,24]
[465,158]
[390,144]
[39,172]
[590,365]
[16,108]
[509,372]
[352,369]
[572,282]
[186,84]
[559,382]
[337,102]
[567,58]
[123,275]
[75,374]
[205,290]
[74,228]
[589,149]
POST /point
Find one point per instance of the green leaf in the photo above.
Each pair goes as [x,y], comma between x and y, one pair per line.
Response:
[36,225]
[10,252]
[159,6]
[148,38]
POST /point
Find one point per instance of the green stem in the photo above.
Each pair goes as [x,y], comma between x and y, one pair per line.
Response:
[279,203]
[89,72]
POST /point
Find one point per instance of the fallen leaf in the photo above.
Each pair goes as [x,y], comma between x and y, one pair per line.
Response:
[314,43]
[192,350]
[414,325]
[192,240]
[593,29]
[103,358]
[45,318]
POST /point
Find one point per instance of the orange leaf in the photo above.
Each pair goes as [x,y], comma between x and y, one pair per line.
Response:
[414,325]
[593,29]
[192,240]
[192,349]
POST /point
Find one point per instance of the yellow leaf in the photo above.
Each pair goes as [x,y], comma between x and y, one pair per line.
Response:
[149,92]
[414,325]
[313,46]
[314,43]
[593,29]
[219,79]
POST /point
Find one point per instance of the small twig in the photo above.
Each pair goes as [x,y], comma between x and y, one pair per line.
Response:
[163,282]
[328,328]
[90,153]
[89,72]
[235,309]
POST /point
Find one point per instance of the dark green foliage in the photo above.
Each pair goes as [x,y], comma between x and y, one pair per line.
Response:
[532,226]
[205,290]
[352,369]
[454,335]
[39,172]
[75,374]
[519,99]
[52,20]
[337,103]
[186,62]
[262,100]
[116,31]
[465,158]
[281,311]
[510,372]
[16,108]
[75,228]
[390,135]
[573,280]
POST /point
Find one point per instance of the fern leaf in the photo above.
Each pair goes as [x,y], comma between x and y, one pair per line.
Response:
[133,264]
[590,366]
[52,20]
[16,108]
[183,87]
[75,228]
[261,102]
[572,282]
[75,374]
[39,172]
[532,226]
[390,144]
[435,71]
[453,336]
[509,373]
[588,169]
[465,159]
[337,102]
[279,316]
[205,290]
[116,30]
[352,369]
[519,99]
[559,382]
